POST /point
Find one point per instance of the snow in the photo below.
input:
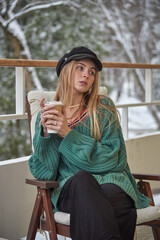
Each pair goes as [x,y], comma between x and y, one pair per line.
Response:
[4,7]
[38,6]
[140,121]
[13,5]
[45,236]
[15,29]
[122,36]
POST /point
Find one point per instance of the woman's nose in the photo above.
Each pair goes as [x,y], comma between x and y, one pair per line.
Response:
[86,73]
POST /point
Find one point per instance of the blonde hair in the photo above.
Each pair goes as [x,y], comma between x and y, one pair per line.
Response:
[90,99]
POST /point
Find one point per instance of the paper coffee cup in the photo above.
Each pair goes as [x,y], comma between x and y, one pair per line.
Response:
[58,106]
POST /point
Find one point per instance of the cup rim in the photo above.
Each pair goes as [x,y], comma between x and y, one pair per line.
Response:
[53,103]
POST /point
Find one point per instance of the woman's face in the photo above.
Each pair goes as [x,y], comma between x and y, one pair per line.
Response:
[84,76]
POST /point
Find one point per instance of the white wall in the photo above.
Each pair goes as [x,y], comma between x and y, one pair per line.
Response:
[16,199]
[144,156]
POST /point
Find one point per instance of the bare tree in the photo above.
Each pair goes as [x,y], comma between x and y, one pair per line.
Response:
[127,25]
[14,32]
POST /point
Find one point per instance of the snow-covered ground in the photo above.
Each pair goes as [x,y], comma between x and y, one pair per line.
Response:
[45,236]
[140,120]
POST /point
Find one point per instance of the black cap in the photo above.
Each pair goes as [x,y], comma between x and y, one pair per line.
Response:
[77,54]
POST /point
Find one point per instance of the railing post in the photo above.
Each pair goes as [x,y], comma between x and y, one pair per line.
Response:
[125,122]
[148,85]
[20,90]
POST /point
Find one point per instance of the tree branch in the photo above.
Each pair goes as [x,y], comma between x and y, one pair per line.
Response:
[93,3]
[13,5]
[33,7]
[2,21]
[3,9]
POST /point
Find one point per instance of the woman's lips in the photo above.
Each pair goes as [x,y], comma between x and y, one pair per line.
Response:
[83,83]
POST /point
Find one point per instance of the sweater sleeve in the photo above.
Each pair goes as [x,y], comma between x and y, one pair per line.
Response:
[107,155]
[45,160]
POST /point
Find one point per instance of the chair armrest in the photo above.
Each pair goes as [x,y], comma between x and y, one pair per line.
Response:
[141,176]
[45,184]
[144,186]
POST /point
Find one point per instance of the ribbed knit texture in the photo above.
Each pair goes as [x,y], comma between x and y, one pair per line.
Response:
[55,158]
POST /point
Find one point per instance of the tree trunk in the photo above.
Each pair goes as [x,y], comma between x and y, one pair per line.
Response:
[17,49]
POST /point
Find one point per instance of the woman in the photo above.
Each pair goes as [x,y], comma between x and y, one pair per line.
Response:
[87,155]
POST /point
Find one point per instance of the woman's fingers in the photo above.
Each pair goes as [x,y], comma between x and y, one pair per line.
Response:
[51,118]
[47,114]
[45,108]
[60,127]
[42,103]
[50,110]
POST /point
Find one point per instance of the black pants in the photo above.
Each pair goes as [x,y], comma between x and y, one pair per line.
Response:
[98,212]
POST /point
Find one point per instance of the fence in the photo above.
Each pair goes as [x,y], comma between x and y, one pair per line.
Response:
[20,66]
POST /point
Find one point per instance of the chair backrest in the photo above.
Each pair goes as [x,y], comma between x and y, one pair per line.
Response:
[33,104]
[34,98]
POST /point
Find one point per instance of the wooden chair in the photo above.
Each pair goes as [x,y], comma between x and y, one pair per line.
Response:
[58,223]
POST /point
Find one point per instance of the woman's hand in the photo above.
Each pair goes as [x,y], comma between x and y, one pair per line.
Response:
[53,119]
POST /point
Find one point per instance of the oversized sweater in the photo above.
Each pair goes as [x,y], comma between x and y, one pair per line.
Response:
[57,158]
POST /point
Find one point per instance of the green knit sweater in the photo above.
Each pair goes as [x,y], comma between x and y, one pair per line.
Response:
[58,159]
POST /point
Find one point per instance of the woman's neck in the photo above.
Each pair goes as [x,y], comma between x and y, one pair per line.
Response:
[73,110]
[76,101]
[73,106]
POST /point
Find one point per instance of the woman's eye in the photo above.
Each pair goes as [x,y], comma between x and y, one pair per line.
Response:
[80,67]
[92,73]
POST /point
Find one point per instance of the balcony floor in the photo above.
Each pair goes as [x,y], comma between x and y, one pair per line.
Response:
[143,233]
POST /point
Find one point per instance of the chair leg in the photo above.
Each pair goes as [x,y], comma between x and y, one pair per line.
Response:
[49,214]
[156,232]
[34,222]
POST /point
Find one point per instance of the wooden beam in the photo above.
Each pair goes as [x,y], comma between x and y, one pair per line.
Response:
[53,63]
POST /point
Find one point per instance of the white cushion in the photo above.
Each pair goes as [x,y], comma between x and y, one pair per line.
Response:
[143,215]
[63,218]
[148,214]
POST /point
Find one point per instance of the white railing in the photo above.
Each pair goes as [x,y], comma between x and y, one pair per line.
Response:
[20,66]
